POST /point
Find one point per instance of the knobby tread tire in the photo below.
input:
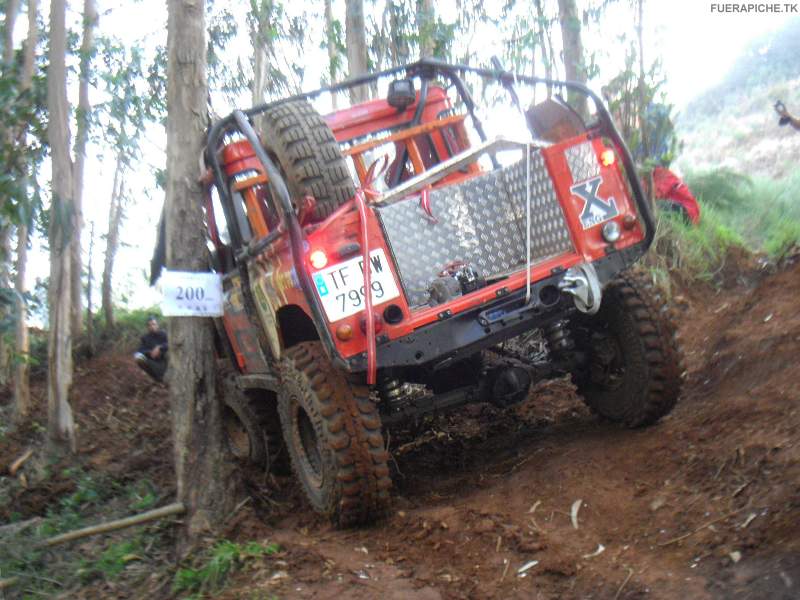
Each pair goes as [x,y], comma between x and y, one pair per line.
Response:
[235,399]
[308,154]
[634,312]
[354,486]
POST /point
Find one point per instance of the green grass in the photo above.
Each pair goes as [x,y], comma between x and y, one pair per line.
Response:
[220,561]
[94,498]
[739,213]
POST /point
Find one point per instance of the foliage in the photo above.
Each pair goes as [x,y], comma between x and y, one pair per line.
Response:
[721,188]
[217,564]
[640,110]
[94,497]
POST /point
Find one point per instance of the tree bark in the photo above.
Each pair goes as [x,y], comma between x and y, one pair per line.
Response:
[641,86]
[426,24]
[574,66]
[112,242]
[90,18]
[356,41]
[22,390]
[541,30]
[205,478]
[60,424]
[11,12]
[330,37]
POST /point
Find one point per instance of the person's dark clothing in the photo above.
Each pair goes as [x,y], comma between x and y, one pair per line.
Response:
[155,367]
[152,339]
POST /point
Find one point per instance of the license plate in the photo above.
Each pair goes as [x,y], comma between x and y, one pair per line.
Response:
[341,287]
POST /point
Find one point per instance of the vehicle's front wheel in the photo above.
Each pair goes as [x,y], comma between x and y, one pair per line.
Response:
[632,372]
[332,431]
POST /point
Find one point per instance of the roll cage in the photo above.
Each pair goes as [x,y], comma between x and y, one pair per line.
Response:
[426,70]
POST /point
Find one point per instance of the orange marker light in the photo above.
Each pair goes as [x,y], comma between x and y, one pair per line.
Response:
[344,332]
[607,157]
[318,259]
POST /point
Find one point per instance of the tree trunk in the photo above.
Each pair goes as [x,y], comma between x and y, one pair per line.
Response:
[112,242]
[426,25]
[22,390]
[641,87]
[356,41]
[330,37]
[90,18]
[541,31]
[60,424]
[11,11]
[89,321]
[205,478]
[574,68]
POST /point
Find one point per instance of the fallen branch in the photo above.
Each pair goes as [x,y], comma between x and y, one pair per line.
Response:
[15,466]
[151,515]
[16,528]
[4,583]
[686,535]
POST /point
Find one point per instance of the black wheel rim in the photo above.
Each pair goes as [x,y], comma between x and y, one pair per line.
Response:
[309,447]
[607,365]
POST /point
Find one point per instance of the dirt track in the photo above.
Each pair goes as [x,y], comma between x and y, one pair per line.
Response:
[671,505]
[704,505]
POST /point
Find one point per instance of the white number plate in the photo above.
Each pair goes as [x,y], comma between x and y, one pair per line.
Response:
[341,287]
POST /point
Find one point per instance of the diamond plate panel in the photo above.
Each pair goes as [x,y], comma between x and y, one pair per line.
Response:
[476,224]
[549,232]
[582,162]
[480,221]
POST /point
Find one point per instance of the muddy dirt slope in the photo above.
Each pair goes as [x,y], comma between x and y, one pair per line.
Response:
[542,501]
[704,505]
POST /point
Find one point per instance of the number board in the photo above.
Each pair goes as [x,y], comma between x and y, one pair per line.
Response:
[186,294]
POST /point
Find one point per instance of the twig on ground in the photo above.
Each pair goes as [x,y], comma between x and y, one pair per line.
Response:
[15,466]
[686,535]
[619,591]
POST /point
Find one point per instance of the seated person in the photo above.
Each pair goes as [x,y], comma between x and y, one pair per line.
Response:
[152,353]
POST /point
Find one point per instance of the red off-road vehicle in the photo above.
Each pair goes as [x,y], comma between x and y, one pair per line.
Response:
[490,263]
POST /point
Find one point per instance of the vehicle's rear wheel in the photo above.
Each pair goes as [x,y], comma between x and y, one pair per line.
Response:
[241,426]
[308,154]
[333,435]
[632,373]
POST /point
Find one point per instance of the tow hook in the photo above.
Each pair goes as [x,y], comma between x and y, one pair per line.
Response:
[582,284]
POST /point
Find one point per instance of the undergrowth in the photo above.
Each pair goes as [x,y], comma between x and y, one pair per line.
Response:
[131,554]
[213,567]
[739,216]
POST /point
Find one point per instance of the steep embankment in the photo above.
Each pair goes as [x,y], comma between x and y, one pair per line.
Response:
[735,125]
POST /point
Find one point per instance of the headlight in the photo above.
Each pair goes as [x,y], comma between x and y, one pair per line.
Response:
[611,232]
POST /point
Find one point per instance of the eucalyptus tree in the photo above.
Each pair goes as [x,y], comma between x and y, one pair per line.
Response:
[204,475]
[82,118]
[60,423]
[356,40]
[122,118]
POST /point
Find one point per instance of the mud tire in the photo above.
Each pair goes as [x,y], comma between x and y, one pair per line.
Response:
[634,322]
[308,154]
[333,435]
[241,424]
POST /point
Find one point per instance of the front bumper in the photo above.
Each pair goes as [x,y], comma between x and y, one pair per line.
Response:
[459,336]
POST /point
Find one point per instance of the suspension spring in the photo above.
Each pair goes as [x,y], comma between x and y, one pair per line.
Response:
[391,390]
[559,339]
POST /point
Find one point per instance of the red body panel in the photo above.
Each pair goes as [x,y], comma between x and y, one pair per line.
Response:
[341,228]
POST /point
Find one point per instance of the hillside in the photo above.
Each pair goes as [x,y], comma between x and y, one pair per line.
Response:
[734,124]
[703,505]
